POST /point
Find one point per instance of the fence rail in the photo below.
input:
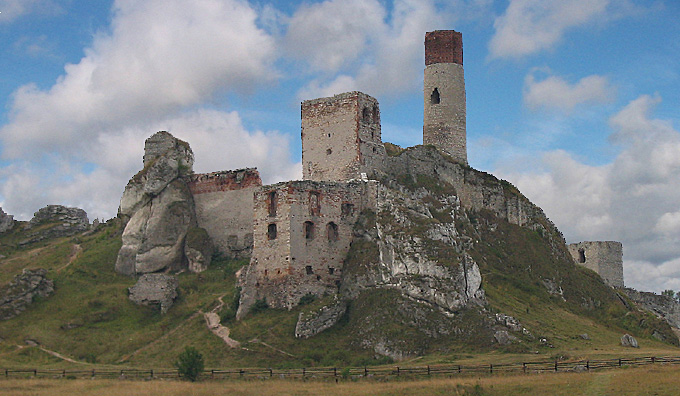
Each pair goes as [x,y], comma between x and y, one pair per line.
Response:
[348,372]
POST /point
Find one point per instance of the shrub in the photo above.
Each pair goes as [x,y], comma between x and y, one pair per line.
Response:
[190,363]
[259,306]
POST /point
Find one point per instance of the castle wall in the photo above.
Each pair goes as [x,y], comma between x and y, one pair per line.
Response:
[314,222]
[341,137]
[224,207]
[444,103]
[605,258]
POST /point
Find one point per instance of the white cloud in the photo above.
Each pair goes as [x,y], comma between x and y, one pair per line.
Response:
[635,199]
[529,26]
[218,139]
[391,48]
[78,142]
[160,56]
[553,92]
[12,9]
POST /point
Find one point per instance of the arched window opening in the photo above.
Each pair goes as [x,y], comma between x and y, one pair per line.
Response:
[309,230]
[434,98]
[581,255]
[272,200]
[366,115]
[332,230]
[271,231]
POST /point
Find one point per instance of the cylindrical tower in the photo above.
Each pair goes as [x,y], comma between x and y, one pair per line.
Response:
[444,94]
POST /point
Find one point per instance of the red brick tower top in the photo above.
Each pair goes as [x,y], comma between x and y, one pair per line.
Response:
[443,46]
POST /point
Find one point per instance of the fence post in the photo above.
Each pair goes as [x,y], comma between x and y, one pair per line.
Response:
[150,373]
[303,372]
[240,372]
[271,372]
[524,368]
[398,373]
[63,373]
[653,359]
[428,369]
[35,372]
[491,368]
[93,373]
[459,369]
[588,365]
[555,365]
[365,371]
[335,371]
[619,362]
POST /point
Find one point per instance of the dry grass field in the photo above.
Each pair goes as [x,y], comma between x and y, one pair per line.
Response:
[649,380]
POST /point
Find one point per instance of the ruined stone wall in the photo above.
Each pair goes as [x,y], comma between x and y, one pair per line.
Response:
[224,208]
[341,137]
[665,307]
[605,258]
[313,230]
[444,117]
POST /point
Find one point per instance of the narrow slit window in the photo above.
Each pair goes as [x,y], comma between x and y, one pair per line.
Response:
[434,98]
[581,255]
[309,230]
[272,200]
[309,270]
[314,203]
[366,115]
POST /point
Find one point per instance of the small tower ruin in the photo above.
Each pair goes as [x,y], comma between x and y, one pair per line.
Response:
[444,94]
[341,137]
[603,257]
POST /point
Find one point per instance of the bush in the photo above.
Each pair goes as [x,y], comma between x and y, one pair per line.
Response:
[190,363]
[259,306]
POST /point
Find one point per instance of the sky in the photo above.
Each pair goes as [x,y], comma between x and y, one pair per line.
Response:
[576,102]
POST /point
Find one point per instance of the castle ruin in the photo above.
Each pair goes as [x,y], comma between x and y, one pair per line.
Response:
[603,257]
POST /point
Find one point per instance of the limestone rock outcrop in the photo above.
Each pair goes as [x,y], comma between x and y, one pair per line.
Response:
[628,340]
[663,306]
[159,209]
[66,222]
[155,290]
[21,292]
[6,221]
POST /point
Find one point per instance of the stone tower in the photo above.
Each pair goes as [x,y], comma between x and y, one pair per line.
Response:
[603,257]
[444,94]
[341,137]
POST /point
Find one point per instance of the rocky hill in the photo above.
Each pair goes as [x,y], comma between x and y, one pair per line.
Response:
[451,260]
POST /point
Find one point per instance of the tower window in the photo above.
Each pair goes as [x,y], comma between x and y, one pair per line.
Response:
[309,270]
[366,115]
[309,230]
[332,230]
[581,256]
[271,231]
[272,201]
[434,98]
[314,203]
[375,114]
[329,152]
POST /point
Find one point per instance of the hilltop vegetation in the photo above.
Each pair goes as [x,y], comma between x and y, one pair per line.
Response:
[526,273]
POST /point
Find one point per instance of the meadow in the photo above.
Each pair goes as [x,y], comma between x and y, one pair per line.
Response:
[649,380]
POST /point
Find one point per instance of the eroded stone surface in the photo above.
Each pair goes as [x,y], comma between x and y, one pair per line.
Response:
[21,292]
[65,222]
[156,290]
[6,221]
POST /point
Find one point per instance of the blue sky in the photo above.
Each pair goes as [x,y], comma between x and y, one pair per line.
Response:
[574,101]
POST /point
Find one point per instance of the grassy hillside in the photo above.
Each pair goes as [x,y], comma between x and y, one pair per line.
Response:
[90,320]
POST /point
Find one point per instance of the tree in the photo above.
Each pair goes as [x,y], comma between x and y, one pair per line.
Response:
[668,292]
[190,363]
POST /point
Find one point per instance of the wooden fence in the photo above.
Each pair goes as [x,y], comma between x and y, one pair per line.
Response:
[348,372]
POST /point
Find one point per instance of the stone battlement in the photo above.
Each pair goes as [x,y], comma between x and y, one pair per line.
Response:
[223,181]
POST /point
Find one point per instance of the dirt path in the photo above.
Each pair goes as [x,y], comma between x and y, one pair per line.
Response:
[59,355]
[75,252]
[212,320]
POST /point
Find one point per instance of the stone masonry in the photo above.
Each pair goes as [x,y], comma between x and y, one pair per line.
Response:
[302,233]
[224,208]
[605,258]
[444,94]
[341,137]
